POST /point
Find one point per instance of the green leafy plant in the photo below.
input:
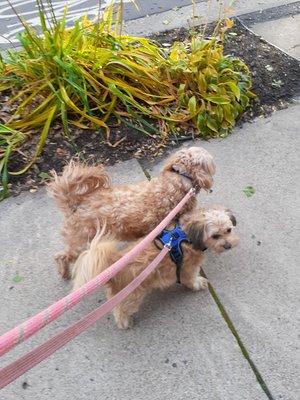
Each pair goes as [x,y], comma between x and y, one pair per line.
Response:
[85,74]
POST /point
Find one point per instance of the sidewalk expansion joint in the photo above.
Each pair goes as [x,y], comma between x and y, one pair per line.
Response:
[270,14]
[238,339]
[230,325]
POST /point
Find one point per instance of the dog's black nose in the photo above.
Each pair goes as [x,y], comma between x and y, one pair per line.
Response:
[227,246]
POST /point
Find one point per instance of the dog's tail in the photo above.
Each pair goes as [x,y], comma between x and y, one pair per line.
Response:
[100,255]
[76,181]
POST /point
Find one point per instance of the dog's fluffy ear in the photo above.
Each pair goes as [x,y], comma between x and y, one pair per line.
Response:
[203,179]
[231,216]
[180,168]
[195,234]
[202,167]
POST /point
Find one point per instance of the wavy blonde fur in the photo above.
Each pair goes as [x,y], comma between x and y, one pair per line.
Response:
[201,227]
[129,211]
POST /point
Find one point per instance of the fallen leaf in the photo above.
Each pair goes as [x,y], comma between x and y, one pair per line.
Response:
[138,153]
[61,152]
[269,68]
[9,261]
[32,190]
[44,175]
[17,278]
[249,191]
[277,83]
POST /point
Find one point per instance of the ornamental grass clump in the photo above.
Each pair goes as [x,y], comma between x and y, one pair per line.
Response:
[85,74]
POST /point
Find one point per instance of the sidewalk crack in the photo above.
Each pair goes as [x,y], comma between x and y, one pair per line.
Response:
[146,172]
[240,343]
[230,324]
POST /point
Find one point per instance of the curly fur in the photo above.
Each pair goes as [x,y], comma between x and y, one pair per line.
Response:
[87,200]
[201,226]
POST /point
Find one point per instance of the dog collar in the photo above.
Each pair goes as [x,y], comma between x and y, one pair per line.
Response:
[183,174]
[174,239]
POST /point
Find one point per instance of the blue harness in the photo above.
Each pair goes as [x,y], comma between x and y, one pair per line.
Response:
[174,238]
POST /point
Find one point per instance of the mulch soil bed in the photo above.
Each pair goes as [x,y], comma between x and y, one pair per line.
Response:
[275,82]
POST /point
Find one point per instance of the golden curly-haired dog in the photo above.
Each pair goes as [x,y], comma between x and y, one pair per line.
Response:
[205,228]
[88,201]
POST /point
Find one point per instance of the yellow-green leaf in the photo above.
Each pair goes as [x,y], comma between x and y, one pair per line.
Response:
[228,113]
[234,88]
[41,142]
[212,124]
[192,106]
[217,99]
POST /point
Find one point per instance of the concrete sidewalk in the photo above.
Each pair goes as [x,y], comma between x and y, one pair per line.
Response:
[183,17]
[284,34]
[165,14]
[259,283]
[181,346]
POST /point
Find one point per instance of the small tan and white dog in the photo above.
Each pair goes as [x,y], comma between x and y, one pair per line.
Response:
[88,201]
[210,228]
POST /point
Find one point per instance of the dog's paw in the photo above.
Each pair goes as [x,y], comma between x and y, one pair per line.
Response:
[62,261]
[125,323]
[200,283]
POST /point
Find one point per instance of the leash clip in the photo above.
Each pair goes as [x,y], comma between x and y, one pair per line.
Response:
[169,244]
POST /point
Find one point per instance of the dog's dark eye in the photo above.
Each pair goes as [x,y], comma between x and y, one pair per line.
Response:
[228,230]
[216,236]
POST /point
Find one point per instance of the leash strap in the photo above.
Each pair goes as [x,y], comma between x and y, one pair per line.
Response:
[25,330]
[17,368]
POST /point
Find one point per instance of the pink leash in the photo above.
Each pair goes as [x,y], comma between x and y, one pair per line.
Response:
[22,332]
[17,368]
[37,322]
